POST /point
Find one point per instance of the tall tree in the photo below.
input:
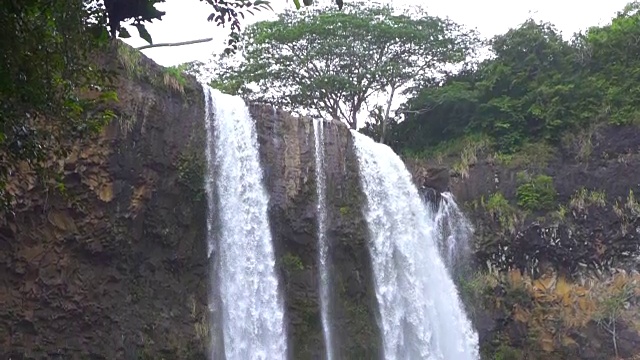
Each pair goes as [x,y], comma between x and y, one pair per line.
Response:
[331,64]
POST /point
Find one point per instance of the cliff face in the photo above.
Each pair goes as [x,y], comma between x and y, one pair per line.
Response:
[548,221]
[118,268]
[287,152]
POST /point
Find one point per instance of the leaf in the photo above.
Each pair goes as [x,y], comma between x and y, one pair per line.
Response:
[142,31]
[123,33]
[297,3]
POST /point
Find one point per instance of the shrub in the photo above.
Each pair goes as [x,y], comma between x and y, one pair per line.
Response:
[537,193]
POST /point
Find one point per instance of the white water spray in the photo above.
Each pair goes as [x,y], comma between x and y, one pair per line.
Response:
[454,229]
[421,314]
[252,312]
[318,128]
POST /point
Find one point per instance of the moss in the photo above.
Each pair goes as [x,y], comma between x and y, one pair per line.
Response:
[536,193]
[307,327]
[506,352]
[291,263]
[191,169]
[344,210]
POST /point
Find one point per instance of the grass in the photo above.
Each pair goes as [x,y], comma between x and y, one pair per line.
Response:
[129,59]
[584,198]
[531,155]
[174,79]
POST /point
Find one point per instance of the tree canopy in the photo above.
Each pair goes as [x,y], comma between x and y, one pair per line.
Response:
[333,64]
[537,86]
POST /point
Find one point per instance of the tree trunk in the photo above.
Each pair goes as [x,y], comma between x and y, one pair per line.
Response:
[354,120]
[385,119]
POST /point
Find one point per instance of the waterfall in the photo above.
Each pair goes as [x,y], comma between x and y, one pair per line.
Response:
[421,315]
[318,128]
[240,247]
[454,231]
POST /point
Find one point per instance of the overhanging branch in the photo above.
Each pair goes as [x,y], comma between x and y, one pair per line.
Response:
[174,44]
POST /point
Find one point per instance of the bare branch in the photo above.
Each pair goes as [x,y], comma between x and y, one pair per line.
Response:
[174,44]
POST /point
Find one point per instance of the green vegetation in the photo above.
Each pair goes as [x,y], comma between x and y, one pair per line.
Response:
[50,91]
[536,193]
[530,156]
[53,92]
[584,198]
[536,89]
[500,209]
[191,169]
[342,59]
[129,58]
[292,263]
[551,309]
[173,78]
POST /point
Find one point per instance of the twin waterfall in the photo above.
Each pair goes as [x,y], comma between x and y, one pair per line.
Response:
[420,313]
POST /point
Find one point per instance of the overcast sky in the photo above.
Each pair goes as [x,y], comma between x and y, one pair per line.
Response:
[187,20]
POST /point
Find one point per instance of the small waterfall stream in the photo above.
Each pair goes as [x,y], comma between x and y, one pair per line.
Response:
[240,247]
[421,314]
[455,231]
[318,128]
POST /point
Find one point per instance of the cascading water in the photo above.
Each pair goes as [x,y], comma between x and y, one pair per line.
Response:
[454,231]
[241,251]
[318,128]
[421,314]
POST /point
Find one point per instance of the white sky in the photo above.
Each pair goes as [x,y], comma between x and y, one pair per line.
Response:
[187,20]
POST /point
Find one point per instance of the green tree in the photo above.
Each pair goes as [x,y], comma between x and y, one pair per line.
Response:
[332,64]
[527,90]
[536,87]
[611,63]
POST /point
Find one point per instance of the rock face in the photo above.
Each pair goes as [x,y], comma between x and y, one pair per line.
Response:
[287,151]
[118,268]
[549,216]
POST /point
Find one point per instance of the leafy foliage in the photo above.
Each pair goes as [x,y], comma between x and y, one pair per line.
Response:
[191,170]
[50,89]
[536,193]
[503,212]
[139,11]
[537,87]
[224,12]
[342,60]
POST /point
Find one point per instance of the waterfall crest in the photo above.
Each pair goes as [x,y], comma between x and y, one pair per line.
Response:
[421,314]
[318,129]
[240,245]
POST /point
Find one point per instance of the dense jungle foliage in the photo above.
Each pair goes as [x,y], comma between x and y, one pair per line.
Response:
[537,87]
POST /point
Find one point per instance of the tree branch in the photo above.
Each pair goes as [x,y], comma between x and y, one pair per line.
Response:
[174,44]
